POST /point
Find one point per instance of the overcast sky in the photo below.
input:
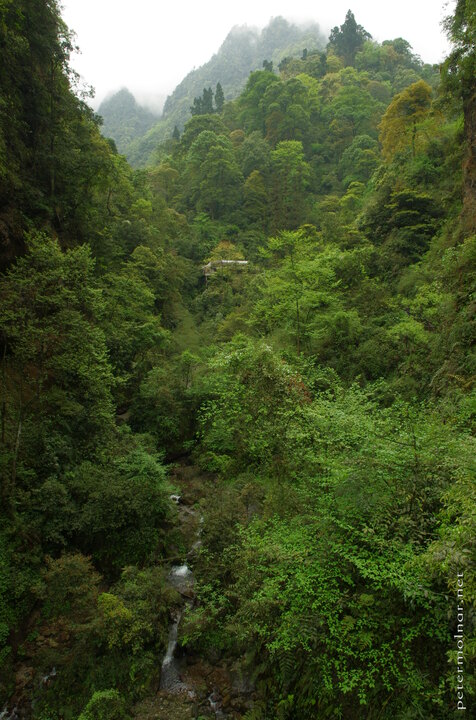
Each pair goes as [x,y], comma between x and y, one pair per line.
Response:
[150,45]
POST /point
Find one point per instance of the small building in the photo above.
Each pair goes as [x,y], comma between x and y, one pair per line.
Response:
[211,267]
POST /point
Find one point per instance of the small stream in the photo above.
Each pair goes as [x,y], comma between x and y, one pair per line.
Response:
[215,704]
[7,714]
[170,672]
[181,579]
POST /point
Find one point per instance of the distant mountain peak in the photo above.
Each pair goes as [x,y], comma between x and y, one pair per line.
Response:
[243,50]
[124,119]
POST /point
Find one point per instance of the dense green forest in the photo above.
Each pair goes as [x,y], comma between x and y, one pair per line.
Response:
[306,416]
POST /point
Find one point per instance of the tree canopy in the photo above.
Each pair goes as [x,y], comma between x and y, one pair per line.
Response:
[237,385]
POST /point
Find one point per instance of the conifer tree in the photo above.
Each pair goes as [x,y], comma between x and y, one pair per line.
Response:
[349,38]
[219,98]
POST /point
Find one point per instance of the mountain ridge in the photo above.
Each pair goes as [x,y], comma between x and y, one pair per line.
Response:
[244,49]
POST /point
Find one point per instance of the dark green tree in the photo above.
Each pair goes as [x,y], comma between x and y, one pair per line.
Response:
[56,379]
[197,107]
[207,101]
[459,76]
[47,134]
[251,112]
[219,98]
[359,160]
[256,199]
[203,105]
[347,39]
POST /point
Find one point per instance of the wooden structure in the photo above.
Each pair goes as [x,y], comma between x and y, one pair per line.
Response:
[214,265]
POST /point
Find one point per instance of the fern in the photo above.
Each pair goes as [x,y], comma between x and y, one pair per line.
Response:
[257,712]
[286,659]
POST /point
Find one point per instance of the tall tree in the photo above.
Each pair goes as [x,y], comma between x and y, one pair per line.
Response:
[348,38]
[219,98]
[197,107]
[399,126]
[221,180]
[255,198]
[203,105]
[48,136]
[290,176]
[207,101]
[459,75]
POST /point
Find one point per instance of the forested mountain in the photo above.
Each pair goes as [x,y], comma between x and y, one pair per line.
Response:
[124,119]
[295,427]
[243,50]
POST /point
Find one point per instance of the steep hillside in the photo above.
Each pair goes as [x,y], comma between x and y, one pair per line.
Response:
[243,51]
[124,119]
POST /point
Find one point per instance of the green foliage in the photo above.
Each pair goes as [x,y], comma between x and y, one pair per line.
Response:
[104,705]
[121,506]
[229,421]
[359,160]
[399,125]
[134,615]
[241,53]
[98,639]
[56,376]
[352,110]
[323,387]
[203,105]
[459,68]
[347,39]
[404,220]
[47,134]
[70,589]
[254,154]
[458,80]
[290,175]
[326,588]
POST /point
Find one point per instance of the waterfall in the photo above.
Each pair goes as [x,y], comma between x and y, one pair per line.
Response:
[170,672]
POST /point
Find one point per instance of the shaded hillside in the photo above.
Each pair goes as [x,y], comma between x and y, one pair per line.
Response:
[243,51]
[124,119]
